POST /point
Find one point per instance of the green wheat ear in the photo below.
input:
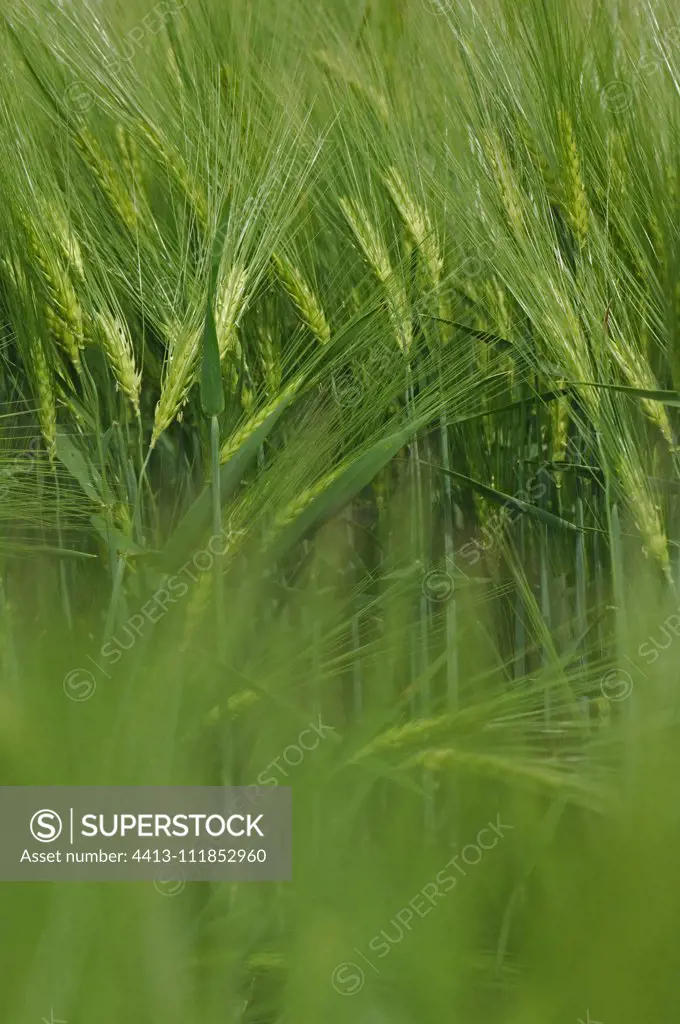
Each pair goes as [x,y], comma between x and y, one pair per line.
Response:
[184,342]
[107,179]
[374,250]
[576,201]
[304,298]
[498,161]
[44,385]
[418,223]
[62,310]
[113,334]
[231,299]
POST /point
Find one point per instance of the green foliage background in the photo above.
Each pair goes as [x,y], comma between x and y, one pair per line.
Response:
[385,293]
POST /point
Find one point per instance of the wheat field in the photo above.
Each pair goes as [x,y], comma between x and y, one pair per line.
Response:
[340,360]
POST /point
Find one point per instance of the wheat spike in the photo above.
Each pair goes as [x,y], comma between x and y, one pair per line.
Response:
[335,65]
[62,311]
[401,736]
[68,242]
[417,223]
[639,375]
[127,148]
[500,766]
[270,356]
[185,343]
[197,607]
[233,443]
[576,201]
[106,177]
[294,509]
[378,258]
[510,192]
[176,166]
[307,304]
[231,302]
[117,344]
[370,242]
[646,514]
[44,384]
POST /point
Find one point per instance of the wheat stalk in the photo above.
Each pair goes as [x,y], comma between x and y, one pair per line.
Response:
[336,65]
[270,357]
[129,155]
